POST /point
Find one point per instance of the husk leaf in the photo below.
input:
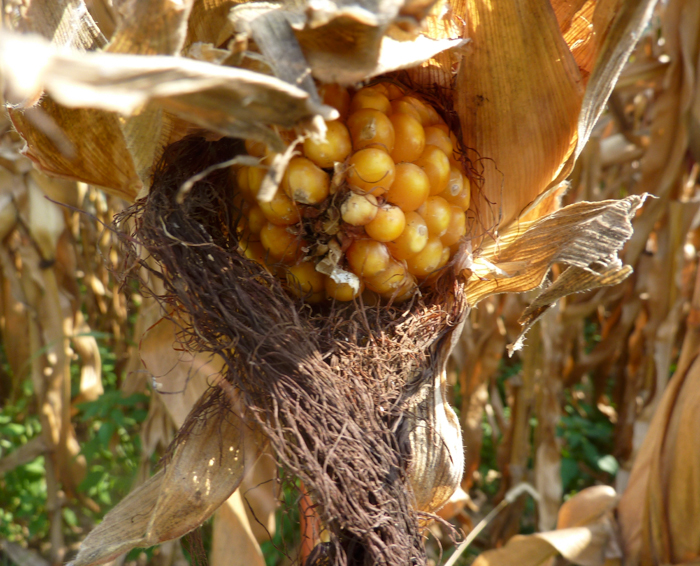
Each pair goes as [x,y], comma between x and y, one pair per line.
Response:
[205,469]
[78,144]
[437,457]
[585,535]
[585,236]
[520,95]
[616,28]
[230,101]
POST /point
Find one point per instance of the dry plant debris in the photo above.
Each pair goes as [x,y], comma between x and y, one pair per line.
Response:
[335,389]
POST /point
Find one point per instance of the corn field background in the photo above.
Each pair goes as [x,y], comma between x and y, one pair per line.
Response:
[605,393]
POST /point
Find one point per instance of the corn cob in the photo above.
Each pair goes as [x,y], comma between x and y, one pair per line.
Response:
[395,207]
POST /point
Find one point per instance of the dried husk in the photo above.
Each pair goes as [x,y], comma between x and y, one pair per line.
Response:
[585,535]
[205,468]
[503,119]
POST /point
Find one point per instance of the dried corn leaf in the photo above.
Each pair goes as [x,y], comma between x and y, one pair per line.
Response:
[657,513]
[65,22]
[616,26]
[230,101]
[79,144]
[520,96]
[585,236]
[209,22]
[343,47]
[154,27]
[151,27]
[181,379]
[205,469]
[232,539]
[585,535]
[437,457]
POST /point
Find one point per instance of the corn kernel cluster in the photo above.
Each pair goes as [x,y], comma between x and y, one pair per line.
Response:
[400,206]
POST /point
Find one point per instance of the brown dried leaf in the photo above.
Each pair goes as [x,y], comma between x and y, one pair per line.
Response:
[230,101]
[233,541]
[151,27]
[437,456]
[657,516]
[181,379]
[586,236]
[78,144]
[209,22]
[206,468]
[520,96]
[339,42]
[588,541]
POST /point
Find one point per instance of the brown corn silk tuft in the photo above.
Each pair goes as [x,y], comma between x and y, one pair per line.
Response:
[334,389]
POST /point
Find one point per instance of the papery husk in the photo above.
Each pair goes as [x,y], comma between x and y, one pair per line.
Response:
[342,42]
[585,236]
[656,515]
[502,107]
[77,144]
[520,96]
[205,468]
[585,535]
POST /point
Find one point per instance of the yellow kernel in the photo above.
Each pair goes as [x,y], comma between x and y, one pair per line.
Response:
[359,209]
[433,117]
[445,128]
[388,280]
[387,225]
[256,219]
[413,238]
[255,148]
[371,170]
[281,210]
[367,257]
[427,260]
[380,88]
[410,138]
[435,136]
[405,291]
[280,244]
[253,251]
[335,147]
[393,91]
[370,98]
[304,182]
[242,184]
[305,282]
[255,179]
[371,128]
[446,255]
[437,214]
[336,96]
[420,107]
[341,291]
[437,166]
[410,188]
[456,228]
[457,191]
[404,107]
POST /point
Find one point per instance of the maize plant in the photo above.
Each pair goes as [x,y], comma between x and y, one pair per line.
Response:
[321,192]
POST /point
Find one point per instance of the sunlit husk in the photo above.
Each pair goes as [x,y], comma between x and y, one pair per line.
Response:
[520,96]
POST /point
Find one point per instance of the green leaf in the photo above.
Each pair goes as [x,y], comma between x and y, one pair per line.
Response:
[608,464]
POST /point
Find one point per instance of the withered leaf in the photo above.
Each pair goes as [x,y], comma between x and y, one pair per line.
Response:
[207,466]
